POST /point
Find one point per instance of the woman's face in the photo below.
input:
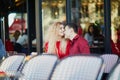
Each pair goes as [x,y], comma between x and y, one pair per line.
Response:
[91,29]
[61,30]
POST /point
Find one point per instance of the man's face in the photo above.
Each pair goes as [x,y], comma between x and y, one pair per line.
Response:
[67,32]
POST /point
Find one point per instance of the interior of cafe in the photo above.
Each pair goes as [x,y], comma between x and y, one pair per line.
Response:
[16,16]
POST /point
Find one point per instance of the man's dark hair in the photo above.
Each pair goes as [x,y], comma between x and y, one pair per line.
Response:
[73,26]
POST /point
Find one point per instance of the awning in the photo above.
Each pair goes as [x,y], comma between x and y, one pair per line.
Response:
[18,24]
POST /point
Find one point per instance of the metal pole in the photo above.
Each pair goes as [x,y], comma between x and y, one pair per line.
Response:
[31,22]
[68,11]
[107,20]
[39,34]
[77,11]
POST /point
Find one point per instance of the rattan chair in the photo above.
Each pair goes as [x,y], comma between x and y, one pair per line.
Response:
[78,68]
[109,60]
[115,72]
[39,67]
[12,64]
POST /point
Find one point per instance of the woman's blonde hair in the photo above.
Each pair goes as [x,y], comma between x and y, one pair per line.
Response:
[52,37]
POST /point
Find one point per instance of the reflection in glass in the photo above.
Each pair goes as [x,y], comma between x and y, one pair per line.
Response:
[52,11]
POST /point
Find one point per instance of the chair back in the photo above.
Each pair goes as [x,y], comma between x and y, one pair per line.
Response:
[78,68]
[11,64]
[39,68]
[109,60]
[115,73]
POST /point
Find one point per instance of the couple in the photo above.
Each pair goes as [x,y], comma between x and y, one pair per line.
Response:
[63,40]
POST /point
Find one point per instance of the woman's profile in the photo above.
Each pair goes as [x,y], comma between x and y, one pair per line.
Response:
[55,43]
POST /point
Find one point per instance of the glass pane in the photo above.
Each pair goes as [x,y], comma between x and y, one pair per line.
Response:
[52,11]
[17,23]
[115,26]
[88,13]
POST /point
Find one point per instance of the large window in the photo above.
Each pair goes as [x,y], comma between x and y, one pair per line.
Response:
[88,13]
[53,11]
[17,21]
[115,19]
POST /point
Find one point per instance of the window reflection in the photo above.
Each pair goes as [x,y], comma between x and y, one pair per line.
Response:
[92,11]
[52,11]
[17,28]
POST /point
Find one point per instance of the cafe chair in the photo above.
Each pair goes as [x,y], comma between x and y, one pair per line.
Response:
[109,60]
[115,72]
[11,65]
[39,68]
[79,68]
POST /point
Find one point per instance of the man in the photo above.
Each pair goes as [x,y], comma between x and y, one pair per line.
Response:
[21,43]
[78,45]
[23,40]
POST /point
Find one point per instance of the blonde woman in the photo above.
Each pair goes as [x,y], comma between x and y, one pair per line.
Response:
[55,42]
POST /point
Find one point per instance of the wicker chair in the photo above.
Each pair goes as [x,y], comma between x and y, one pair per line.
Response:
[39,67]
[78,68]
[109,60]
[12,64]
[115,73]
